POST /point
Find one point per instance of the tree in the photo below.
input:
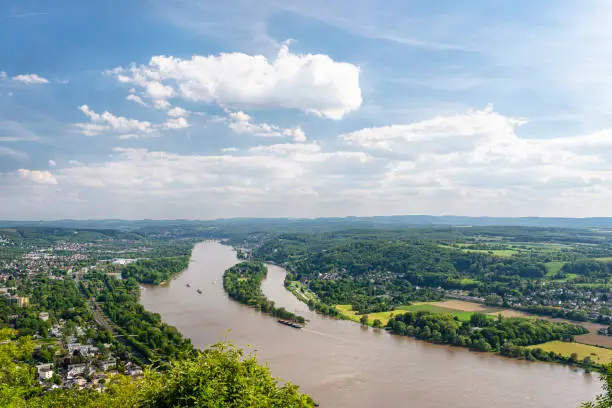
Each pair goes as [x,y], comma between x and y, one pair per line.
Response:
[221,376]
[574,358]
[377,323]
[494,300]
[603,400]
[479,320]
[364,320]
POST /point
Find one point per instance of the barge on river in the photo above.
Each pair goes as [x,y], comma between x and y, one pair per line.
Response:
[290,323]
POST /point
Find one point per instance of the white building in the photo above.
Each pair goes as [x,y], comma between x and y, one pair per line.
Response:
[44,371]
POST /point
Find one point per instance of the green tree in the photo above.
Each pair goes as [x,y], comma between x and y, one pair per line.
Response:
[377,323]
[603,400]
[494,300]
[364,320]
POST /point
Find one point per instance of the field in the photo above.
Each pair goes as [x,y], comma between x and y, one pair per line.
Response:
[607,259]
[461,305]
[448,306]
[595,339]
[384,317]
[502,253]
[435,307]
[597,354]
[553,268]
[301,292]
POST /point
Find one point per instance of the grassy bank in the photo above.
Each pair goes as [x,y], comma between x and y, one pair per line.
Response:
[596,354]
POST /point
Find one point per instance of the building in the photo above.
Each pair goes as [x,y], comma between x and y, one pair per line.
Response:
[75,370]
[108,364]
[23,301]
[44,371]
[44,316]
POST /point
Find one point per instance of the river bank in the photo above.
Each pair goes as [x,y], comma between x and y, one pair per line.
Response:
[341,364]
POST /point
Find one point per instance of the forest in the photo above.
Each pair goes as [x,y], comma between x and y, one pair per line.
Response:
[507,336]
[242,283]
[377,271]
[154,340]
[155,271]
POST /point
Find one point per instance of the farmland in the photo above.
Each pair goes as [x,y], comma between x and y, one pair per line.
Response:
[597,354]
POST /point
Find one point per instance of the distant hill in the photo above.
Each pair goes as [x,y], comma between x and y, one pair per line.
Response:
[379,221]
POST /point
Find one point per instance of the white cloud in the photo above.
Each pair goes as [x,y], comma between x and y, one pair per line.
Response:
[176,123]
[443,134]
[157,90]
[178,112]
[52,163]
[161,104]
[30,79]
[229,150]
[240,122]
[37,176]
[107,122]
[313,83]
[3,75]
[137,99]
[16,154]
[479,156]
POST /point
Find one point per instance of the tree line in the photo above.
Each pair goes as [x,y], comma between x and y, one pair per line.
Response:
[507,336]
[242,282]
[119,300]
[155,271]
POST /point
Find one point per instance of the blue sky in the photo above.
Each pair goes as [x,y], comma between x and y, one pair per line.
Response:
[194,109]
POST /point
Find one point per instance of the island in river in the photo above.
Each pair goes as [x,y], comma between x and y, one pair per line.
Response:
[341,364]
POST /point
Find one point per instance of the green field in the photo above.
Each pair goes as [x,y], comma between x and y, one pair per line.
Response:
[554,267]
[502,253]
[384,317]
[301,292]
[597,354]
[606,259]
[428,307]
[348,312]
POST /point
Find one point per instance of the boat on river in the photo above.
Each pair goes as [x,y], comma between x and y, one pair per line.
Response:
[199,291]
[188,285]
[290,323]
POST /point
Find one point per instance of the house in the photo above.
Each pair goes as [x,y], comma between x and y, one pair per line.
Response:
[75,370]
[603,331]
[44,316]
[136,372]
[44,371]
[108,364]
[80,382]
[84,349]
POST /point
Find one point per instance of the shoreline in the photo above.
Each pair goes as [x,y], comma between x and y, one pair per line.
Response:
[557,359]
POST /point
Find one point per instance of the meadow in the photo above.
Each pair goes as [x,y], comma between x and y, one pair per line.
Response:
[597,354]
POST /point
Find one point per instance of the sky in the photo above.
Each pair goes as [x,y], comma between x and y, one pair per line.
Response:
[201,109]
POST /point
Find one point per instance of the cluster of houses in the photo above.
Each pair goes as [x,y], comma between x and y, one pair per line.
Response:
[81,365]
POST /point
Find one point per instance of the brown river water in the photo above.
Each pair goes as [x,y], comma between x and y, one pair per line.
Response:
[341,364]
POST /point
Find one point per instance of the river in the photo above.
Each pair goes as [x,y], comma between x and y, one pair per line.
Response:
[341,364]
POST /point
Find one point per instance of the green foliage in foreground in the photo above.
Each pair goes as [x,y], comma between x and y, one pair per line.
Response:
[603,400]
[221,376]
[242,283]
